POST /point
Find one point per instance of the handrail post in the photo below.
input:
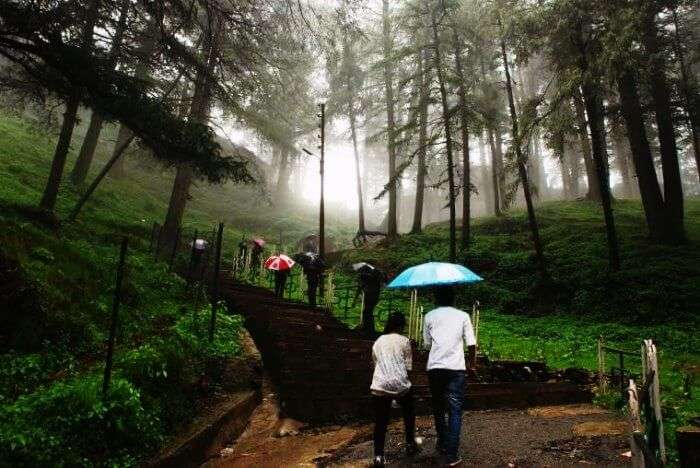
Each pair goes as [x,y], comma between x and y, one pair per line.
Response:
[115,315]
[216,281]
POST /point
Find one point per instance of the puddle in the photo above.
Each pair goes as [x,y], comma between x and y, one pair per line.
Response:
[566,411]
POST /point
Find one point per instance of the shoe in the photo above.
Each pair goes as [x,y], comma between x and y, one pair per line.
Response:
[454,462]
[379,461]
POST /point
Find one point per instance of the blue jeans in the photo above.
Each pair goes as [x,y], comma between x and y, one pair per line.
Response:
[447,392]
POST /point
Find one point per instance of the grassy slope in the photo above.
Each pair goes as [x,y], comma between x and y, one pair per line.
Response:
[50,379]
[73,269]
[654,296]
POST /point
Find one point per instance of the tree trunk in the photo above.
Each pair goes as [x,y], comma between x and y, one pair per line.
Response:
[392,227]
[542,185]
[423,69]
[48,200]
[124,134]
[146,50]
[661,99]
[522,169]
[501,167]
[622,160]
[561,155]
[497,174]
[199,111]
[575,163]
[437,56]
[282,191]
[87,150]
[594,109]
[464,128]
[496,169]
[487,193]
[642,158]
[582,125]
[358,178]
[691,100]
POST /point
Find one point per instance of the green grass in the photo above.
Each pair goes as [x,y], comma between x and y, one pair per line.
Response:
[57,352]
[655,295]
[51,408]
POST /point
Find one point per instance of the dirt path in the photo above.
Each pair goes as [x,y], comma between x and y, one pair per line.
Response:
[570,435]
[261,446]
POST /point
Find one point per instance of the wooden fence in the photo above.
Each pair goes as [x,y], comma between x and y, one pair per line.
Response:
[643,403]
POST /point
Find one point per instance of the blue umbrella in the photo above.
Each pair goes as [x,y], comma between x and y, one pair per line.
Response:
[434,274]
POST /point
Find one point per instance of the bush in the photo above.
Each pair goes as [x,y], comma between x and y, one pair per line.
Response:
[70,424]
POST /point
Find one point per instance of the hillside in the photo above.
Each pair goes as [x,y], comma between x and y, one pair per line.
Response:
[57,281]
[59,278]
[657,284]
[655,295]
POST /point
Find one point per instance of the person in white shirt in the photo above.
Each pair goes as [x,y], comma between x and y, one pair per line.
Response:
[446,332]
[393,359]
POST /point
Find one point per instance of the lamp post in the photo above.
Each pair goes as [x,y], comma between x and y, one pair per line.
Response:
[322,211]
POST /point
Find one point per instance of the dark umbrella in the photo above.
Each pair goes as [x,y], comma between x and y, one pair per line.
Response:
[305,258]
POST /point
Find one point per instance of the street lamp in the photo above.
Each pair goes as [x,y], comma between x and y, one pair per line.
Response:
[322,212]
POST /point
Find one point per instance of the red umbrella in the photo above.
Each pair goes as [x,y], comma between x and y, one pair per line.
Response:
[259,242]
[279,263]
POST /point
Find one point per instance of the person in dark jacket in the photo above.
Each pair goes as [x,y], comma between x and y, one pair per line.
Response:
[370,281]
[242,251]
[255,256]
[280,281]
[313,267]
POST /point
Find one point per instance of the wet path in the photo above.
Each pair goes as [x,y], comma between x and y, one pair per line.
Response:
[561,436]
[574,435]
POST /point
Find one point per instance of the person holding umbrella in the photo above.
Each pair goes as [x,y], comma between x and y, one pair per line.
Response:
[256,253]
[370,280]
[281,265]
[313,267]
[446,332]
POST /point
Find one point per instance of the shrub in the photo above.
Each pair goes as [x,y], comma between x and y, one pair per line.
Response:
[69,423]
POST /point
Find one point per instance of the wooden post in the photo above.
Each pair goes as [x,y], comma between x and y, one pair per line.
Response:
[655,395]
[635,425]
[115,315]
[622,375]
[602,388]
[215,282]
[420,325]
[475,320]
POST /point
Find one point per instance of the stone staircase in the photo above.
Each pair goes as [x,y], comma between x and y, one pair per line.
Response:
[322,369]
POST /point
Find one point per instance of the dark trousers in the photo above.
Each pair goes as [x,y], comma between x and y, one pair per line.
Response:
[370,302]
[382,412]
[447,392]
[312,281]
[280,282]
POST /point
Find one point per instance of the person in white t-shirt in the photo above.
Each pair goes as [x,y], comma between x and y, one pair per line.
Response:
[446,332]
[393,359]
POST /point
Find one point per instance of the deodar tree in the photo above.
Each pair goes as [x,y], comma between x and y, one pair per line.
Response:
[54,45]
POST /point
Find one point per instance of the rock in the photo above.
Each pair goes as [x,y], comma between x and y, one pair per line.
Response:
[287,427]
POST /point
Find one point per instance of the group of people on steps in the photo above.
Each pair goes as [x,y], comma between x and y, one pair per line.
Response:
[447,331]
